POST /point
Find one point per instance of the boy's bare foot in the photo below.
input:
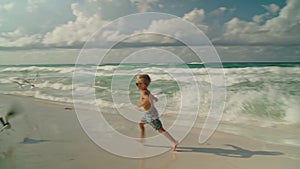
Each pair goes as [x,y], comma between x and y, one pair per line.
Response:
[174,146]
[140,140]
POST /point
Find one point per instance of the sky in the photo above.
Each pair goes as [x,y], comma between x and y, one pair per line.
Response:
[54,31]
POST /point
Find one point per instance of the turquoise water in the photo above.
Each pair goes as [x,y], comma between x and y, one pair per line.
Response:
[264,95]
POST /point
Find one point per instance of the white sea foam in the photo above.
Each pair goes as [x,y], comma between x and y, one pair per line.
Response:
[58,86]
[292,115]
[107,68]
[39,69]
[253,93]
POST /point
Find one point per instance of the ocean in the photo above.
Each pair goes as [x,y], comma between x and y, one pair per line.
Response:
[262,99]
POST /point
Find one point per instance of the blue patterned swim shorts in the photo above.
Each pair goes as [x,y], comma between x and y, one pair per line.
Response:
[156,124]
[152,118]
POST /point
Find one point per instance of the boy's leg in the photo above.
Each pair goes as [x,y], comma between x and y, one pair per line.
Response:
[142,131]
[168,136]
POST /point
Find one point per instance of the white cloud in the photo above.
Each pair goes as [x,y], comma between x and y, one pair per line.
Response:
[240,32]
[259,18]
[196,17]
[91,1]
[8,6]
[142,35]
[275,26]
[112,36]
[13,35]
[287,20]
[154,33]
[144,5]
[18,38]
[175,28]
[272,8]
[33,4]
[76,31]
[219,11]
[280,30]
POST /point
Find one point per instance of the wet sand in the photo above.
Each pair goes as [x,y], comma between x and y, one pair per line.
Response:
[47,135]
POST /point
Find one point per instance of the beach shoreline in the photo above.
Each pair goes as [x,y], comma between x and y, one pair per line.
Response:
[47,134]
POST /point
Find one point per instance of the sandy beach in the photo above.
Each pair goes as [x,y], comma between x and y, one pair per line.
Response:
[47,135]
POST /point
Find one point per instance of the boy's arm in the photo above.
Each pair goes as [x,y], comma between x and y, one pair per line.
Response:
[155,98]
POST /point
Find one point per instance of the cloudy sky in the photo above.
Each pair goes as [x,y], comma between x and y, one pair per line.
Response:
[40,31]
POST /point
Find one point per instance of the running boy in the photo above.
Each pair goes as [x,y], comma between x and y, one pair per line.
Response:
[151,116]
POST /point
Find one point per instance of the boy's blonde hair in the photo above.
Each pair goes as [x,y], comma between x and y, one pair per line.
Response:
[145,78]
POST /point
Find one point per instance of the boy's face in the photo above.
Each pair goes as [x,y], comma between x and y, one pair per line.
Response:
[140,85]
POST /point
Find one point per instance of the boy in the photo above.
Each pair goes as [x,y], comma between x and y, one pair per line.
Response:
[151,116]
